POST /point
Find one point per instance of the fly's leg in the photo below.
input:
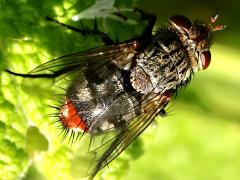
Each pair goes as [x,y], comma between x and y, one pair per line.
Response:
[151,19]
[85,31]
[165,100]
[161,100]
[162,113]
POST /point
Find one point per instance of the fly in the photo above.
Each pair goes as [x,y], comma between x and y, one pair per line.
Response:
[122,87]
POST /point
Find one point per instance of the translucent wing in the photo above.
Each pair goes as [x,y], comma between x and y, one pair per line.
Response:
[63,70]
[97,57]
[126,135]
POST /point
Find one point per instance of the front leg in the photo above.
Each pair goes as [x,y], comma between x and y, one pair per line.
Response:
[151,19]
[86,31]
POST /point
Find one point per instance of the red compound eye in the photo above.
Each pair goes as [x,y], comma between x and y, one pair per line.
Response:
[205,58]
[181,21]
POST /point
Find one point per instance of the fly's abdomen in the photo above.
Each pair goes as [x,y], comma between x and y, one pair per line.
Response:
[70,118]
[99,106]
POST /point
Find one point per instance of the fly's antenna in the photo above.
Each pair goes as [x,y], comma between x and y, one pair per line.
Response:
[213,19]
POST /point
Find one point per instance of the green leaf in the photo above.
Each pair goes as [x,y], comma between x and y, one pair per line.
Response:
[36,141]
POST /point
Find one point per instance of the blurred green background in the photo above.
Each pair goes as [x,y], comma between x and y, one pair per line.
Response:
[200,139]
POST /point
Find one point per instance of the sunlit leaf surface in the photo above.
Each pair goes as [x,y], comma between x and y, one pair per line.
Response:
[199,140]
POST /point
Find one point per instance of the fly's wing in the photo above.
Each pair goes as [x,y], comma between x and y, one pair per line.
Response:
[125,136]
[96,57]
[63,70]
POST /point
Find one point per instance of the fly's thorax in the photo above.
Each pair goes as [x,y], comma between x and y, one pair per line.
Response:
[162,66]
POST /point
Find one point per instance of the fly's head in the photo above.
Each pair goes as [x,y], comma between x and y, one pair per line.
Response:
[196,37]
